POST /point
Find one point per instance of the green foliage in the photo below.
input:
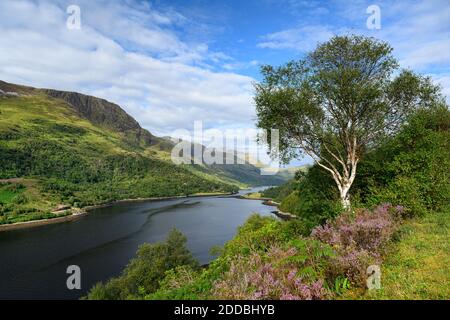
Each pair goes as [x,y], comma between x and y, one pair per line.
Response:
[411,169]
[144,273]
[9,215]
[10,192]
[311,257]
[341,285]
[16,205]
[258,234]
[278,193]
[315,199]
[180,283]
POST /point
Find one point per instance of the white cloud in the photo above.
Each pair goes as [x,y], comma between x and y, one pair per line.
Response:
[444,81]
[302,39]
[241,65]
[430,53]
[420,35]
[126,54]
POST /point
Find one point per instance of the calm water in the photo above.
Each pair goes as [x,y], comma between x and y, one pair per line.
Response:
[33,262]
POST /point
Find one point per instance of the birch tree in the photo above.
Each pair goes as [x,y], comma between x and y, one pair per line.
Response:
[339,101]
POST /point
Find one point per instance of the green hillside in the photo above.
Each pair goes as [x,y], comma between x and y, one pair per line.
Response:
[68,148]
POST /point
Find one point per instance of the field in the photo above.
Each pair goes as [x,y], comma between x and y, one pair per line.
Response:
[418,264]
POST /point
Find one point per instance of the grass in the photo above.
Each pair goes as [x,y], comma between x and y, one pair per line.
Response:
[254,195]
[6,196]
[418,265]
[22,200]
[200,194]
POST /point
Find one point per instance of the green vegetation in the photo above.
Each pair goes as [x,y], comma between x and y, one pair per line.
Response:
[10,192]
[81,150]
[22,201]
[279,193]
[145,271]
[402,179]
[69,160]
[411,169]
[418,265]
[338,102]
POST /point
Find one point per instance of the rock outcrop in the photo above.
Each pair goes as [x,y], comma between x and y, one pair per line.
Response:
[8,93]
[106,114]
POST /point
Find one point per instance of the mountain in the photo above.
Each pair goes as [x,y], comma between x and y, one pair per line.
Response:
[242,172]
[66,147]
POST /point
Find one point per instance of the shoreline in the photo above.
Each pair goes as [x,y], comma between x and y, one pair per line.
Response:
[42,222]
[286,216]
[81,212]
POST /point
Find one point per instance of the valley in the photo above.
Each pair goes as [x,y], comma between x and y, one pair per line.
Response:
[68,149]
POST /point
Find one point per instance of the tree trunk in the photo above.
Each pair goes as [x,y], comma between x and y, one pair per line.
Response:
[344,179]
[345,197]
[344,185]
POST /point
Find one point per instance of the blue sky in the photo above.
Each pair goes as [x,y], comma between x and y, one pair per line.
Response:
[255,32]
[169,63]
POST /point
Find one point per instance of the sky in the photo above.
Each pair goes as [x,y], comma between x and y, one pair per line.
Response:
[170,63]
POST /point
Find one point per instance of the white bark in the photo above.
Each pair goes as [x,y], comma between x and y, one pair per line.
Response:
[345,197]
[345,178]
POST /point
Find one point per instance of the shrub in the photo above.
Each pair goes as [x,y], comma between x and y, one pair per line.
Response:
[257,234]
[20,199]
[359,241]
[273,276]
[411,168]
[179,283]
[315,199]
[402,190]
[143,274]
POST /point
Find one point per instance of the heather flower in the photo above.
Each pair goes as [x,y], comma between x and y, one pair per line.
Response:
[255,279]
[360,240]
